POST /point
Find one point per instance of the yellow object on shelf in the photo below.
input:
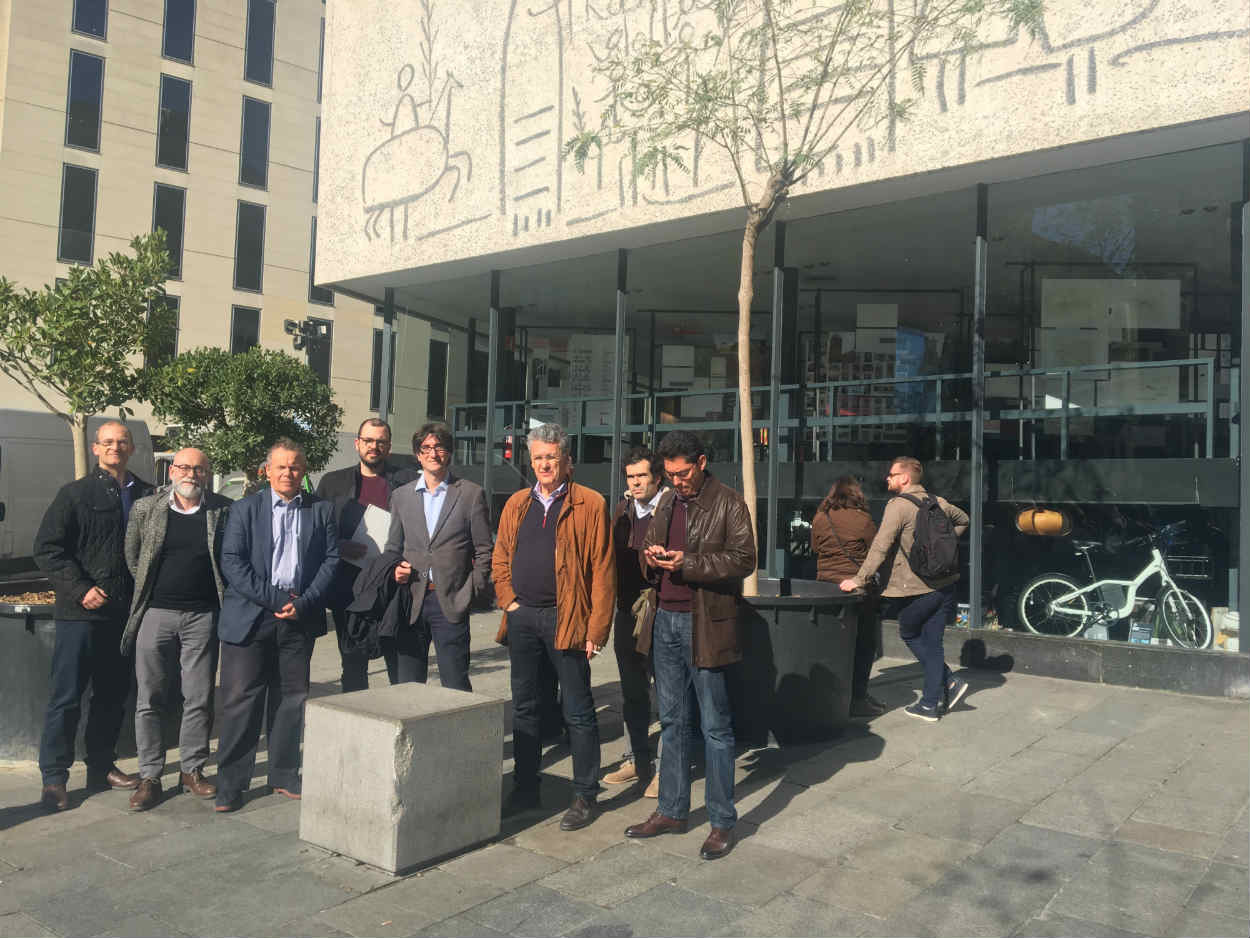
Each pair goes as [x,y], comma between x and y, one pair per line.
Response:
[1044,521]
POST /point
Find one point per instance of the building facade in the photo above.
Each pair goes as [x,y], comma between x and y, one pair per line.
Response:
[201,117]
[1036,283]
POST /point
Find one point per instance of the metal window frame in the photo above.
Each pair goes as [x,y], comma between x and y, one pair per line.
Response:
[376,369]
[69,86]
[238,217]
[312,263]
[262,187]
[234,312]
[316,159]
[182,222]
[321,58]
[79,32]
[330,361]
[247,35]
[160,99]
[60,221]
[195,11]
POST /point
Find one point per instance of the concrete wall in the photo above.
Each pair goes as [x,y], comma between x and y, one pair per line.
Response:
[35,42]
[510,82]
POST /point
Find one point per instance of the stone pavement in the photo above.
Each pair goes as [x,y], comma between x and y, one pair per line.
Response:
[1039,807]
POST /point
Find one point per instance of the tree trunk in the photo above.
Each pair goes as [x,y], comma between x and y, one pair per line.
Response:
[78,432]
[746,294]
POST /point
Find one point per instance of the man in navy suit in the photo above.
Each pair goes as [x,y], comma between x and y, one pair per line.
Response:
[279,557]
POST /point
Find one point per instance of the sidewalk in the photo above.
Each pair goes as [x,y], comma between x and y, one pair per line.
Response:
[1039,807]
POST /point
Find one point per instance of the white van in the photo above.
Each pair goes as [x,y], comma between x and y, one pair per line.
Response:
[36,459]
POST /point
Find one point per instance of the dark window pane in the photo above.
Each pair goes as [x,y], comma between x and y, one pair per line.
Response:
[258,57]
[319,347]
[169,348]
[317,159]
[175,123]
[249,247]
[254,144]
[375,381]
[82,111]
[321,57]
[77,214]
[91,17]
[244,329]
[316,294]
[179,39]
[437,400]
[168,212]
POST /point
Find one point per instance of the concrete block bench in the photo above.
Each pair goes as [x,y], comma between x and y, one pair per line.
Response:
[398,777]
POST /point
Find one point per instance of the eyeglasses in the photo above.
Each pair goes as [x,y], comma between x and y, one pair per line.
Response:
[186,470]
[681,475]
[431,450]
[545,460]
[380,444]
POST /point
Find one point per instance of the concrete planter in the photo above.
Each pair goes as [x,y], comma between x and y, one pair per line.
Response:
[798,643]
[26,635]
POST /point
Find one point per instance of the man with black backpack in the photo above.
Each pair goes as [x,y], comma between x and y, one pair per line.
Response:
[922,531]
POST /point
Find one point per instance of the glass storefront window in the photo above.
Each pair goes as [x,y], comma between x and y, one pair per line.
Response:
[1114,291]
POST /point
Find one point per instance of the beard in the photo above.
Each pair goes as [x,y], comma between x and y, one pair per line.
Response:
[189,488]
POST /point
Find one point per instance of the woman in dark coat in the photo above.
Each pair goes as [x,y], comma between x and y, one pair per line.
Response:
[842,530]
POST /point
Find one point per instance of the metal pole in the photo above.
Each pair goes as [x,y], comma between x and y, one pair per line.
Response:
[388,332]
[1243,521]
[774,400]
[977,469]
[492,391]
[618,379]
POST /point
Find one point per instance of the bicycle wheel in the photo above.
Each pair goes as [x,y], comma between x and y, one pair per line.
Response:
[1036,602]
[1185,618]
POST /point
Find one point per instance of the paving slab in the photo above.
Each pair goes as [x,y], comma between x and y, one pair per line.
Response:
[1062,926]
[1210,814]
[1224,890]
[876,893]
[963,817]
[1093,807]
[372,915]
[21,925]
[144,926]
[1131,887]
[751,876]
[1029,776]
[534,910]
[1199,923]
[796,915]
[895,795]
[618,874]
[1164,837]
[825,835]
[460,926]
[661,910]
[503,865]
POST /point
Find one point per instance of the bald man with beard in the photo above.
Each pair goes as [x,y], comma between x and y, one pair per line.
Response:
[173,549]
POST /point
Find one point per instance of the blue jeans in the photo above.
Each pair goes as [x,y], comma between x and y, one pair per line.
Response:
[922,626]
[675,677]
[85,652]
[408,653]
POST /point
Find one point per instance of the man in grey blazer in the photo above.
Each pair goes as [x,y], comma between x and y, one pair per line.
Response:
[441,526]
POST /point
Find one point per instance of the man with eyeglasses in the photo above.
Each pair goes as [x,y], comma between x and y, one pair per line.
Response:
[370,482]
[80,548]
[173,549]
[441,526]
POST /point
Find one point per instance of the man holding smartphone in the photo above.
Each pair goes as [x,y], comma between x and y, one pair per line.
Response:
[698,549]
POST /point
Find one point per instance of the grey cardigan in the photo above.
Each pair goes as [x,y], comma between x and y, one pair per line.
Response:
[145,536]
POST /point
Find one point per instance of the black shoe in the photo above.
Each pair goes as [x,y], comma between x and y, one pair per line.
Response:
[866,707]
[953,693]
[580,813]
[522,800]
[921,712]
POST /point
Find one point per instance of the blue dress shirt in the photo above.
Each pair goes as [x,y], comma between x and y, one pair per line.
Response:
[432,503]
[285,564]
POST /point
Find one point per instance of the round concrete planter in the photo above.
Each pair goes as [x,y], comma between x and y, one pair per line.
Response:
[798,643]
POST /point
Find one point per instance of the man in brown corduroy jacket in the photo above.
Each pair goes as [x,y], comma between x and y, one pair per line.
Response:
[555,578]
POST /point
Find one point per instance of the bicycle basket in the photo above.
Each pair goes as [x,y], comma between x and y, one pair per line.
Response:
[1189,566]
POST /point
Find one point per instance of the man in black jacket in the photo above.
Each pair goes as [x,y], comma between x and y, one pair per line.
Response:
[351,490]
[81,548]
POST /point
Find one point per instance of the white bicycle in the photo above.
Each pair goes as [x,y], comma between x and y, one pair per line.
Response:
[1055,604]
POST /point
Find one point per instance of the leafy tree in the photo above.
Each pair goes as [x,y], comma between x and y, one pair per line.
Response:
[234,406]
[79,345]
[775,86]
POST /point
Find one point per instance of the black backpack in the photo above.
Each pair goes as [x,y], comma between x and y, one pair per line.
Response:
[934,551]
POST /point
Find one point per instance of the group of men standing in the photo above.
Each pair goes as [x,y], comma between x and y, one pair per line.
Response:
[181,576]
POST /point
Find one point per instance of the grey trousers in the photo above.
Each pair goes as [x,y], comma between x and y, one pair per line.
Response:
[175,644]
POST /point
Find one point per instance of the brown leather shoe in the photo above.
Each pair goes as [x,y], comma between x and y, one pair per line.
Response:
[655,825]
[54,798]
[147,795]
[197,784]
[112,777]
[719,842]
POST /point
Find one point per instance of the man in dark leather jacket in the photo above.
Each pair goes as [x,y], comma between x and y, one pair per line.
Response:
[81,547]
[371,481]
[698,549]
